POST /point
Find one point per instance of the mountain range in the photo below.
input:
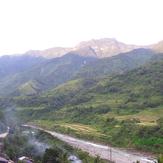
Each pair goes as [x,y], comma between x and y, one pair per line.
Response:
[100,85]
[96,48]
[38,71]
[99,48]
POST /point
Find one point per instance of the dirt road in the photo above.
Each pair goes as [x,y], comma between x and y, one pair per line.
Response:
[4,135]
[105,152]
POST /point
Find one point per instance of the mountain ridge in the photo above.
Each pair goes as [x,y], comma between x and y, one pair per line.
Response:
[120,96]
[99,48]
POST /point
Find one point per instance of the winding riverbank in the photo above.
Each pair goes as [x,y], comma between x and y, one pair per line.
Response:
[104,152]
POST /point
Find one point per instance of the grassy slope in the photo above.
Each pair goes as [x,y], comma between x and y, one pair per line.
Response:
[123,110]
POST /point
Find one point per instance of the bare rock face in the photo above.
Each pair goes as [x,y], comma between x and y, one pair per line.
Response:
[106,47]
[86,51]
[100,48]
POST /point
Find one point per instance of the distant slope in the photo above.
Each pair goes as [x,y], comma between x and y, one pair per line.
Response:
[49,73]
[10,65]
[131,92]
[50,53]
[56,71]
[31,87]
[117,64]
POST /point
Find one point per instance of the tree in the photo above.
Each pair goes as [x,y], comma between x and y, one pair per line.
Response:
[51,156]
[160,159]
[97,159]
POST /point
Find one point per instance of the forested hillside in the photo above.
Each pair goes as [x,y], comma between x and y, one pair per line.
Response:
[116,100]
[36,75]
[126,110]
[43,76]
[117,64]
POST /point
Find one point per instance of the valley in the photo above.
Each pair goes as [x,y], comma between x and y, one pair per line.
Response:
[87,100]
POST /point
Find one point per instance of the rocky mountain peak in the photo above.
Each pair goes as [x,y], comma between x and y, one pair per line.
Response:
[100,48]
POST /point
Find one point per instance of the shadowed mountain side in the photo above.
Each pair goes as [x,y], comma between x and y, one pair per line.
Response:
[117,64]
[10,65]
[50,73]
[56,71]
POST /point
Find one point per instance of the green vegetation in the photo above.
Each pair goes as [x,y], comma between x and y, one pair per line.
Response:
[106,100]
[30,88]
[160,159]
[123,110]
[42,148]
[44,75]
[16,145]
[28,75]
[2,122]
[117,64]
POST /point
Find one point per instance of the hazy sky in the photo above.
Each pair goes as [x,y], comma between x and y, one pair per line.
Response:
[40,24]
